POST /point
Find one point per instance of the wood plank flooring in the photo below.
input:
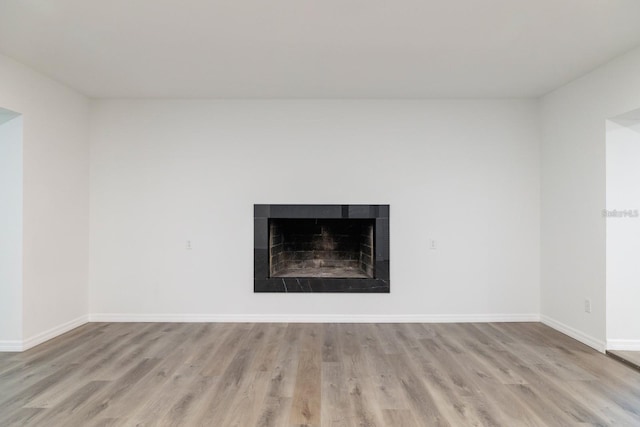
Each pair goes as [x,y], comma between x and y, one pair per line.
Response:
[339,375]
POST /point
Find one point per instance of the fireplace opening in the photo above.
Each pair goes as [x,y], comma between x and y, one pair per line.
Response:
[321,248]
[328,248]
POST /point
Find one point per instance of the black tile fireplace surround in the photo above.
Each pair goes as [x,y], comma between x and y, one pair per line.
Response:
[321,248]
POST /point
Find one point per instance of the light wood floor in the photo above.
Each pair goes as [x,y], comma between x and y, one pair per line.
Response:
[507,374]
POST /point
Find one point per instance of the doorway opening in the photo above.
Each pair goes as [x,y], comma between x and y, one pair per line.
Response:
[10,230]
[622,215]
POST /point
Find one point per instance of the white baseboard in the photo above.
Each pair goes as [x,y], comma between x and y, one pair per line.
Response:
[574,333]
[53,332]
[314,318]
[15,345]
[624,345]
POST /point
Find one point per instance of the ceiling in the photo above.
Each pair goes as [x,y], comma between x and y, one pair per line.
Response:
[317,48]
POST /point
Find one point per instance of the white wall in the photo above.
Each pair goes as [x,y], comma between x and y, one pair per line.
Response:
[167,171]
[573,194]
[10,230]
[465,173]
[55,199]
[623,235]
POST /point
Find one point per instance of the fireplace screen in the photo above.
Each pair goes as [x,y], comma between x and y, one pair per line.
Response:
[321,248]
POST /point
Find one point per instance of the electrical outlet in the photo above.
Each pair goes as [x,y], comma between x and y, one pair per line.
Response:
[188,244]
[587,306]
[432,244]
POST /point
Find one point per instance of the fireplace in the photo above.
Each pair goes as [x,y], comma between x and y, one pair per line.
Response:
[321,248]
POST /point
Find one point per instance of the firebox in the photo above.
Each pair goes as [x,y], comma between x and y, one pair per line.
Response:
[321,248]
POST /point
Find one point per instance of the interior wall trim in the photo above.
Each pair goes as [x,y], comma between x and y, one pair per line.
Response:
[54,332]
[10,345]
[623,345]
[315,318]
[574,333]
